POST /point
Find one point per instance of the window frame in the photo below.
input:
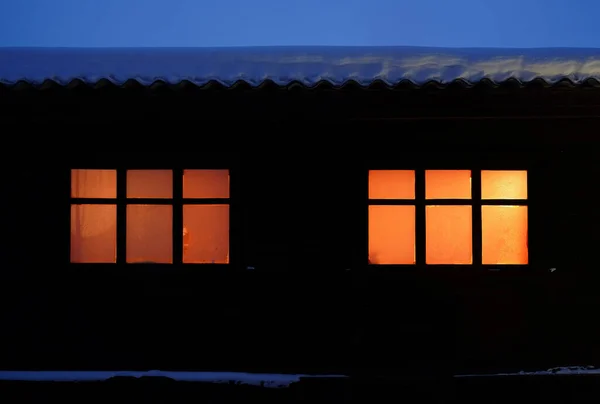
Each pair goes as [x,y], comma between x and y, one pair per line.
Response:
[476,202]
[177,201]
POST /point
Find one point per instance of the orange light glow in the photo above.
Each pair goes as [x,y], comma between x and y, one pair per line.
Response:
[93,183]
[448,184]
[206,184]
[391,184]
[149,183]
[93,233]
[391,234]
[504,232]
[149,234]
[207,238]
[449,235]
[504,185]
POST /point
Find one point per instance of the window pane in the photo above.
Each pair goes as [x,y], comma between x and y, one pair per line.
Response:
[391,184]
[504,185]
[93,183]
[206,184]
[149,233]
[447,184]
[206,234]
[504,232]
[93,233]
[448,234]
[149,183]
[391,234]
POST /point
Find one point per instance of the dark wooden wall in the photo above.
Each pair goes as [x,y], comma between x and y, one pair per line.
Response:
[299,217]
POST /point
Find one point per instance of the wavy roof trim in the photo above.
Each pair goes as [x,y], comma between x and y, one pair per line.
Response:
[308,66]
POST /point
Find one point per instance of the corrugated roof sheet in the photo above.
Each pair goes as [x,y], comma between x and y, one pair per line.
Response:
[306,65]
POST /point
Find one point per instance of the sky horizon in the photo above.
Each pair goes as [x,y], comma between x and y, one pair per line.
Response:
[299,46]
[237,23]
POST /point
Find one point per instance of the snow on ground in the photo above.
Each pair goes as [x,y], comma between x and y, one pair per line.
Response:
[258,379]
[568,370]
[272,380]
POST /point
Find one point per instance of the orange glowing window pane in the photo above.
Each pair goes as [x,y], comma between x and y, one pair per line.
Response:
[391,184]
[504,235]
[149,234]
[447,184]
[448,235]
[206,184]
[93,233]
[149,183]
[93,183]
[504,185]
[206,234]
[391,234]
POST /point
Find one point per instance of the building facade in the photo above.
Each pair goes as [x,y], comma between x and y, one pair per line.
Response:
[417,222]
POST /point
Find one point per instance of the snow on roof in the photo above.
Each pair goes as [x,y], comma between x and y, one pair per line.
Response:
[308,65]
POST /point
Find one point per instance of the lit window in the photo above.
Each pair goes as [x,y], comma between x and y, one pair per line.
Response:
[391,184]
[448,227]
[206,222]
[447,201]
[93,216]
[449,234]
[447,184]
[149,228]
[150,184]
[149,212]
[503,185]
[392,225]
[391,234]
[504,217]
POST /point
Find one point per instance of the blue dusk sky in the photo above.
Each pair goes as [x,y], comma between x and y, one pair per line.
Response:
[218,23]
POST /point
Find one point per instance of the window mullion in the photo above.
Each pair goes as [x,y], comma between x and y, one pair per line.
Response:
[178,216]
[121,216]
[476,216]
[420,236]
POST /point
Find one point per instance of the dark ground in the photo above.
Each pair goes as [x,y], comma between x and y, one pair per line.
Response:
[530,389]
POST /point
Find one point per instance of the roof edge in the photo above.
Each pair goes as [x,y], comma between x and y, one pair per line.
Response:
[376,84]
